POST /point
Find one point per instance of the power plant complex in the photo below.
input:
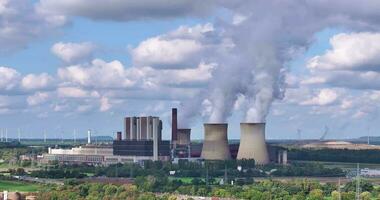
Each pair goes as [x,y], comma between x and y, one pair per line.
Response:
[143,141]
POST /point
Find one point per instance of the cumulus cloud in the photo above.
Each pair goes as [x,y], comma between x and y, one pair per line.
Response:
[352,62]
[21,22]
[73,52]
[98,74]
[323,98]
[127,10]
[37,98]
[74,92]
[354,51]
[37,81]
[182,48]
[9,78]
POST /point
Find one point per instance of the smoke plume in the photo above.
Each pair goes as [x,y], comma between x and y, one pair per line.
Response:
[265,36]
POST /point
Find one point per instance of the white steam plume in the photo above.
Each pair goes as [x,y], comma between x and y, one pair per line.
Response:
[266,36]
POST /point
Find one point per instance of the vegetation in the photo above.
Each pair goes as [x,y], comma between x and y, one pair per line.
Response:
[184,169]
[335,155]
[161,188]
[18,186]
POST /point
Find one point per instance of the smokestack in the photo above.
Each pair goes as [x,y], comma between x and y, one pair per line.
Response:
[252,143]
[118,136]
[89,136]
[215,144]
[174,125]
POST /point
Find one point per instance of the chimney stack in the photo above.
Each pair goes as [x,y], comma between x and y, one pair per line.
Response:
[89,136]
[174,125]
[118,136]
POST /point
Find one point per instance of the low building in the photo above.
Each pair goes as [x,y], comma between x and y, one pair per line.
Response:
[155,150]
[91,155]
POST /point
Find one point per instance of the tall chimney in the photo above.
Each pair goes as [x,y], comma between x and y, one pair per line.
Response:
[89,136]
[174,125]
[118,136]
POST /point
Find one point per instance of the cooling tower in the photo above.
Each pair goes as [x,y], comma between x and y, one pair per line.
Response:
[215,144]
[252,143]
[183,136]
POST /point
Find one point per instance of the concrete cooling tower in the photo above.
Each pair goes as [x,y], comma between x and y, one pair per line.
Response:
[252,143]
[183,136]
[215,144]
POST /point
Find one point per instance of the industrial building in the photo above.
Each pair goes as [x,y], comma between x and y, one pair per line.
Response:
[90,154]
[143,141]
[181,139]
[143,137]
[142,128]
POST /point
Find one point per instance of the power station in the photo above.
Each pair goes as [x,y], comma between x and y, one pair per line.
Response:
[143,141]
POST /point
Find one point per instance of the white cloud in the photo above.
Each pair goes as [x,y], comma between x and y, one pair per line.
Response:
[36,82]
[73,92]
[324,97]
[37,98]
[182,48]
[104,104]
[99,74]
[355,51]
[164,53]
[352,62]
[9,78]
[73,52]
[20,23]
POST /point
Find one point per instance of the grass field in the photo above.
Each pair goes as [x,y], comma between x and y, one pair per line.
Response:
[343,165]
[16,186]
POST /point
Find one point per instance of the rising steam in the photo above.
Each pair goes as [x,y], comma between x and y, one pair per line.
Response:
[266,36]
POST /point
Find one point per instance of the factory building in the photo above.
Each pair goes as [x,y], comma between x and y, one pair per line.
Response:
[142,128]
[143,137]
[90,154]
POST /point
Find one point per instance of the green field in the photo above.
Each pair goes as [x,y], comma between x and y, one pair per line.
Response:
[344,165]
[17,186]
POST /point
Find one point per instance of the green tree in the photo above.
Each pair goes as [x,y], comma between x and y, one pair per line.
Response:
[335,195]
[365,196]
[315,194]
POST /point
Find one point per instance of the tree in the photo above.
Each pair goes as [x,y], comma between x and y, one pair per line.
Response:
[348,195]
[315,194]
[335,195]
[110,189]
[365,196]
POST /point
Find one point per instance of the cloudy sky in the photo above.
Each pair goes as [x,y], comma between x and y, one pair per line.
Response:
[298,65]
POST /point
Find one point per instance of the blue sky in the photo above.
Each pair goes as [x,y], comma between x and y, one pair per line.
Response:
[69,65]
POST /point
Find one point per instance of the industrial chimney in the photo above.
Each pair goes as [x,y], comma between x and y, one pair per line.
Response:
[252,143]
[215,144]
[89,136]
[118,136]
[174,126]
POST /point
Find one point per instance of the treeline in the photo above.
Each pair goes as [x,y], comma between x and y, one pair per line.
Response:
[335,155]
[57,174]
[160,188]
[238,170]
